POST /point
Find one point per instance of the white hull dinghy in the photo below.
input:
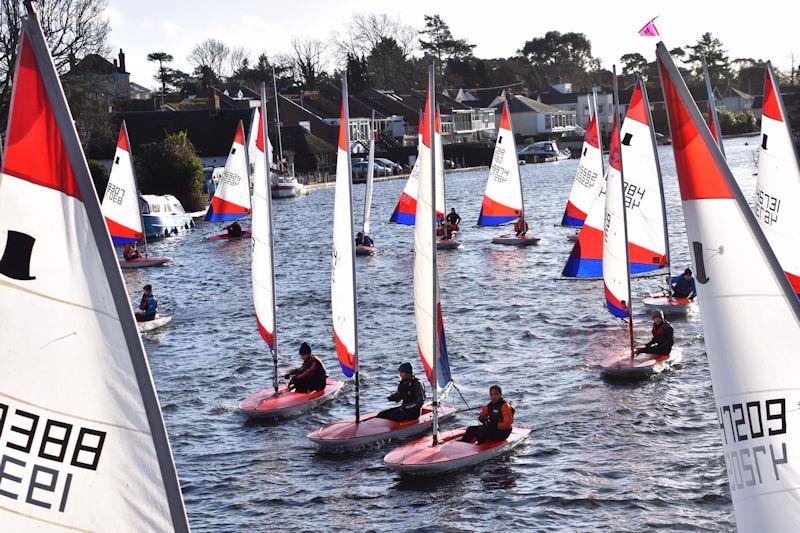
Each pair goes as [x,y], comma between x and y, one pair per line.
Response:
[669,305]
[642,365]
[286,404]
[152,325]
[513,240]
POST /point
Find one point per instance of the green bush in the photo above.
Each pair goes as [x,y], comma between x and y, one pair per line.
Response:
[100,175]
[172,167]
[743,121]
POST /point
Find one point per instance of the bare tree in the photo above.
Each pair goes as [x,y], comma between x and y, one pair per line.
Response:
[307,55]
[237,58]
[210,53]
[73,28]
[365,30]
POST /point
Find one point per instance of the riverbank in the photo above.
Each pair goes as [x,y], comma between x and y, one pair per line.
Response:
[330,184]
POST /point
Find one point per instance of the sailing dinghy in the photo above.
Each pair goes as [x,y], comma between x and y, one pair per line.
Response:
[751,321]
[644,206]
[437,453]
[367,429]
[589,178]
[275,402]
[150,325]
[777,202]
[361,249]
[231,199]
[616,252]
[503,199]
[121,205]
[73,370]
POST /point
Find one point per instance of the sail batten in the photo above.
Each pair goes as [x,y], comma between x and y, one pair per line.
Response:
[91,379]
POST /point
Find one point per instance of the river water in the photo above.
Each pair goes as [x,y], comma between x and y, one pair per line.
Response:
[602,455]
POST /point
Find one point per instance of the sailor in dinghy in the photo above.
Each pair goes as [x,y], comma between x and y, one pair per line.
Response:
[503,200]
[147,317]
[364,243]
[273,402]
[369,428]
[439,452]
[231,199]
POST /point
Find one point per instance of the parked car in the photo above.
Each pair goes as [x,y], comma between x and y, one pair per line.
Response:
[394,167]
[360,170]
[542,150]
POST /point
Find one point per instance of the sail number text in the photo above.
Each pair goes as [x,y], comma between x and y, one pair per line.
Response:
[36,453]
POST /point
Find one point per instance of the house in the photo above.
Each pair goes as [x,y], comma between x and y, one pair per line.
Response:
[139,92]
[532,118]
[99,77]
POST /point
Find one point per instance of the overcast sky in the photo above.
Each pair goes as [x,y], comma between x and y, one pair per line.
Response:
[498,29]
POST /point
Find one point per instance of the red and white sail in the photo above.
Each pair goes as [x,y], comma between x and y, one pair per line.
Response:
[231,199]
[427,304]
[82,439]
[616,280]
[777,202]
[643,200]
[405,211]
[589,177]
[370,177]
[343,290]
[263,277]
[751,322]
[502,201]
[121,199]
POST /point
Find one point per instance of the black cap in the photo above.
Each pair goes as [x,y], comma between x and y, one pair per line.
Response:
[688,271]
[148,288]
[406,367]
[305,349]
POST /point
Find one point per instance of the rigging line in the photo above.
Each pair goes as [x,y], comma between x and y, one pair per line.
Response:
[463,399]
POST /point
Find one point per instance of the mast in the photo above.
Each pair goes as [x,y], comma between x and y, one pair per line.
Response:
[277,117]
[432,214]
[597,127]
[370,172]
[135,185]
[352,247]
[712,106]
[615,139]
[267,162]
[519,174]
[660,178]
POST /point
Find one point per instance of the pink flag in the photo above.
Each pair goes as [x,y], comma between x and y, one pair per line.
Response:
[649,30]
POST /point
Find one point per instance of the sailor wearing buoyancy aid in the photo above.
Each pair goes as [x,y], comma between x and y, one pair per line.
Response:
[497,419]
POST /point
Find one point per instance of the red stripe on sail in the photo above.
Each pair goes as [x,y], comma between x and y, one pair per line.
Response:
[492,208]
[35,150]
[268,337]
[711,126]
[260,134]
[574,212]
[771,107]
[122,141]
[345,358]
[505,120]
[636,109]
[698,172]
[591,133]
[425,365]
[223,207]
[239,134]
[426,117]
[342,129]
[641,255]
[613,155]
[590,243]
[122,232]
[795,282]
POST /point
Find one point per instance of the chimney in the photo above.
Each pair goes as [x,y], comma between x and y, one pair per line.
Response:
[121,61]
[72,61]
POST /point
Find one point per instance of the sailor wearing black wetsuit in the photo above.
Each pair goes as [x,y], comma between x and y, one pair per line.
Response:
[410,392]
[663,336]
[311,376]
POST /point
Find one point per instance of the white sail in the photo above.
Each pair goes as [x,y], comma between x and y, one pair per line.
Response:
[121,198]
[616,281]
[502,200]
[643,199]
[82,439]
[751,322]
[589,178]
[262,257]
[231,199]
[439,155]
[777,202]
[370,176]
[343,294]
